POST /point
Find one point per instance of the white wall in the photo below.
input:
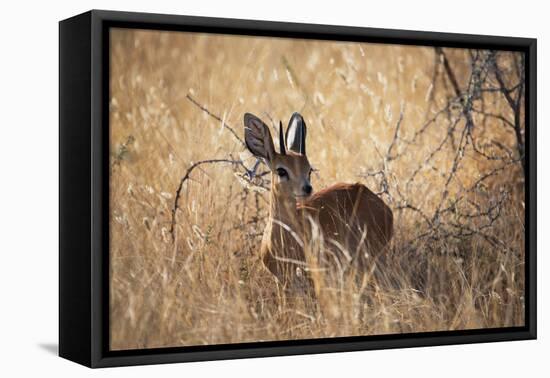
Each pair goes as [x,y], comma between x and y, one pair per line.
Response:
[28,212]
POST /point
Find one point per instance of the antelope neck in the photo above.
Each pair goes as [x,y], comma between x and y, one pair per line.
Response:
[282,209]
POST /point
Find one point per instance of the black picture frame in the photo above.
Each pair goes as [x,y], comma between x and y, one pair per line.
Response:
[84,188]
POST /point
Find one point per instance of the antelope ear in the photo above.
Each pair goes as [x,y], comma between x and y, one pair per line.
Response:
[296,134]
[258,138]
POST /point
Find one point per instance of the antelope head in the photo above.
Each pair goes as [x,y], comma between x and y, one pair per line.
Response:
[290,168]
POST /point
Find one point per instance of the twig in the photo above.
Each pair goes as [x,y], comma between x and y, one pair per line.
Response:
[449,71]
[389,157]
[185,178]
[515,105]
[217,118]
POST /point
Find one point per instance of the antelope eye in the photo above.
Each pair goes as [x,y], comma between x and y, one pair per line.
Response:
[282,172]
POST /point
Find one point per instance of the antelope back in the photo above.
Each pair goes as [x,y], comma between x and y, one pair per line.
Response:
[352,216]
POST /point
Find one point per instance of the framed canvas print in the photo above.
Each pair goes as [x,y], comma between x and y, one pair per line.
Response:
[233,188]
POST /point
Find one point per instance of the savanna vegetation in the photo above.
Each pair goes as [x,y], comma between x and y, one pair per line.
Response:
[438,133]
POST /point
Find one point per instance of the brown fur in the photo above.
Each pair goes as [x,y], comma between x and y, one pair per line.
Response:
[348,214]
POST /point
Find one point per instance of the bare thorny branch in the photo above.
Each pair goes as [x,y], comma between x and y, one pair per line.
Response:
[248,177]
[185,178]
[460,217]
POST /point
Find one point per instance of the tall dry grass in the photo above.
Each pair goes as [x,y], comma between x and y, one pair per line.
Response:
[208,286]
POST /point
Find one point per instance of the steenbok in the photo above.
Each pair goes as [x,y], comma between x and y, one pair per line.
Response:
[345,224]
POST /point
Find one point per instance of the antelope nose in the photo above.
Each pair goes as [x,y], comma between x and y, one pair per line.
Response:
[307,189]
